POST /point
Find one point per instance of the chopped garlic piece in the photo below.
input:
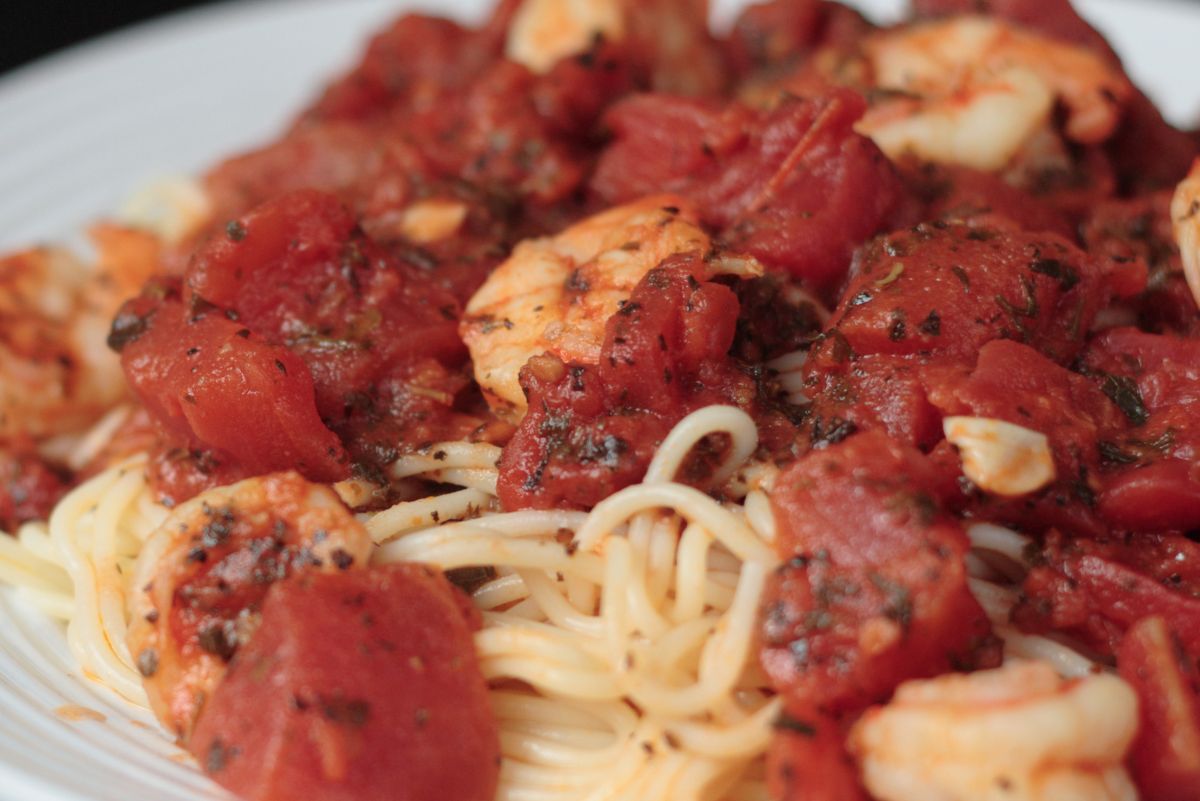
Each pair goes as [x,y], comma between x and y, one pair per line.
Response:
[432,220]
[1001,458]
[170,208]
[546,31]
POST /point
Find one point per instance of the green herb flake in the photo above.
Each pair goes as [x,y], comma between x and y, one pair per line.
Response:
[1124,392]
[786,722]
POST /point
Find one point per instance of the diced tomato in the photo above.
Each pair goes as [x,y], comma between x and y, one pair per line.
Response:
[214,384]
[1165,759]
[1096,589]
[379,337]
[949,288]
[807,760]
[1132,239]
[874,591]
[871,391]
[435,112]
[358,686]
[772,33]
[1157,497]
[777,36]
[922,304]
[1169,307]
[592,430]
[365,167]
[297,272]
[795,187]
[1015,383]
[669,139]
[1154,475]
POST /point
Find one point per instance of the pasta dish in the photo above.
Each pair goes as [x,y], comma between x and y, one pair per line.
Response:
[586,405]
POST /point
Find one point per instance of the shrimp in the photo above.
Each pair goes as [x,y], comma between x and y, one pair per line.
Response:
[681,54]
[1018,733]
[203,574]
[56,374]
[974,91]
[58,377]
[1185,219]
[545,31]
[554,295]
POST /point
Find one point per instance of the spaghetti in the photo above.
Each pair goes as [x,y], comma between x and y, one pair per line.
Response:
[619,643]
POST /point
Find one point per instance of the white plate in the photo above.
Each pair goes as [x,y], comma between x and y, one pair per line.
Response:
[81,131]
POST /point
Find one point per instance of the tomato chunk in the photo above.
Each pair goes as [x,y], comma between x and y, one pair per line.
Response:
[1154,478]
[920,308]
[795,187]
[1096,590]
[1165,759]
[370,337]
[398,711]
[1015,383]
[413,57]
[774,36]
[950,192]
[875,588]
[1135,242]
[212,383]
[949,288]
[297,272]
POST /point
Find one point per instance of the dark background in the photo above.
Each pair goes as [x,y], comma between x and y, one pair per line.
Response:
[32,28]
